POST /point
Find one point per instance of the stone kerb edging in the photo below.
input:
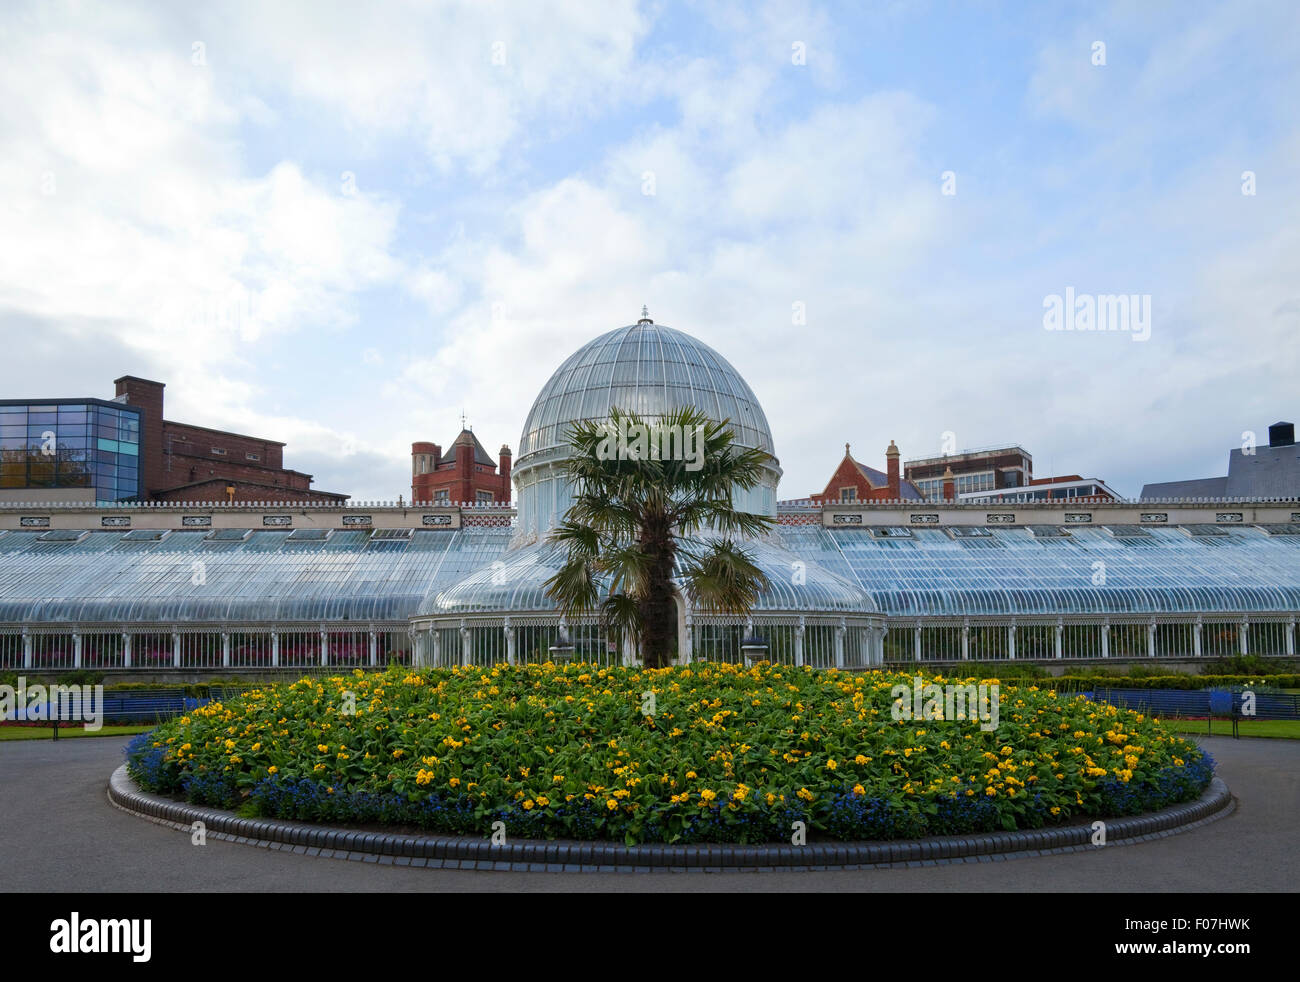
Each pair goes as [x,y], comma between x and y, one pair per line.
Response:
[463,852]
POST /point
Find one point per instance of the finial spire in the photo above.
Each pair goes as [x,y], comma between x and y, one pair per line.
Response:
[645,315]
[462,419]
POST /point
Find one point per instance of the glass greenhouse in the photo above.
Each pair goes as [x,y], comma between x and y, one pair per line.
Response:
[838,596]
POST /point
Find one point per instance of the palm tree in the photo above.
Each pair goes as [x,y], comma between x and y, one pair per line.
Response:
[638,516]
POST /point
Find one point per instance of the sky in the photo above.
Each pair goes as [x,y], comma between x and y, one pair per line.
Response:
[340,225]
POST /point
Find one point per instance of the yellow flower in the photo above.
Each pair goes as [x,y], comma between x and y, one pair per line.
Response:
[611,804]
[272,769]
[322,748]
[708,795]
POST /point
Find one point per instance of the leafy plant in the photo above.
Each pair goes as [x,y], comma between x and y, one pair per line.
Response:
[642,522]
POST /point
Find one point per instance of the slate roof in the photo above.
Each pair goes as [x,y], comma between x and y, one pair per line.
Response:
[1269,472]
[879,479]
[1205,487]
[468,437]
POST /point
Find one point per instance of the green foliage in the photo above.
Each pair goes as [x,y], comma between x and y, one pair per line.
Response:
[641,521]
[1248,665]
[1086,683]
[1151,672]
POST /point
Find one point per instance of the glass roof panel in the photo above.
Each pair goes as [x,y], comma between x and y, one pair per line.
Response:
[648,368]
[1164,570]
[185,577]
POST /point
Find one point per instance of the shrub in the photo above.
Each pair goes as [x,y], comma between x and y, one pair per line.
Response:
[1248,665]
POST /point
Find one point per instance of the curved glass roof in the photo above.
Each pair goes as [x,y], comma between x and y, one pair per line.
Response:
[187,577]
[1088,571]
[515,583]
[113,577]
[648,369]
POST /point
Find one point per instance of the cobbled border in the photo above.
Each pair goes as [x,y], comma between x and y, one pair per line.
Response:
[542,856]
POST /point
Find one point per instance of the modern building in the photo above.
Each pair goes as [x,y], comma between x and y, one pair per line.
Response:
[1253,472]
[70,450]
[465,475]
[987,469]
[851,584]
[94,450]
[1068,487]
[855,481]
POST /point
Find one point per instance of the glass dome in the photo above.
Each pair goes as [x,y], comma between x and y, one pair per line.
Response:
[645,368]
[649,369]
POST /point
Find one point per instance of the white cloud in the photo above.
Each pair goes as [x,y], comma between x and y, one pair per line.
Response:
[153,235]
[199,219]
[469,78]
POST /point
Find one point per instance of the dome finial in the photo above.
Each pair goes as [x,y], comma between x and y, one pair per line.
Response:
[645,316]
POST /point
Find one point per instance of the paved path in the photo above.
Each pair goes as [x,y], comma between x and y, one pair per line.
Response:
[55,814]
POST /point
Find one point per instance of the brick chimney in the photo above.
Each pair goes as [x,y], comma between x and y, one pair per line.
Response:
[504,470]
[891,468]
[148,396]
[949,485]
[465,471]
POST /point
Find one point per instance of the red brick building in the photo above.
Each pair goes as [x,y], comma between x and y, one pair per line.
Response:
[991,469]
[854,481]
[180,462]
[465,474]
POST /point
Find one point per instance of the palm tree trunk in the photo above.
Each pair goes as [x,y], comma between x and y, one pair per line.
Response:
[659,610]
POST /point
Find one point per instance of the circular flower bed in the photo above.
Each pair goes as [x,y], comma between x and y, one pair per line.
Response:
[705,753]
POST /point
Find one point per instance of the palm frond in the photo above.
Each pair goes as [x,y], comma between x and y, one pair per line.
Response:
[574,587]
[722,577]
